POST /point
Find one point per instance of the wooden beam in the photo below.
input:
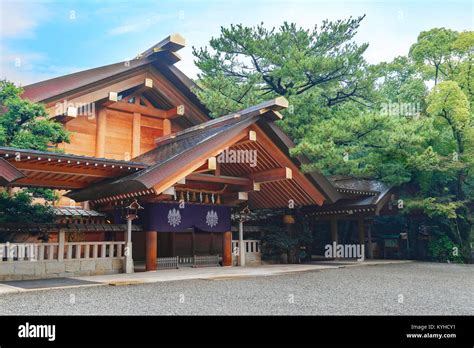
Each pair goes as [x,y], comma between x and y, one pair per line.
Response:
[100,133]
[148,83]
[252,135]
[136,131]
[100,94]
[175,97]
[248,188]
[71,113]
[47,183]
[175,112]
[308,188]
[206,151]
[231,180]
[41,168]
[166,127]
[144,110]
[212,163]
[235,198]
[173,42]
[275,174]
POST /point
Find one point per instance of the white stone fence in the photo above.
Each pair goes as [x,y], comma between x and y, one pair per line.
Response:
[251,249]
[55,251]
[20,261]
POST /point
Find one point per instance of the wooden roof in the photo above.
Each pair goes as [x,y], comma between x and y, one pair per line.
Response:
[84,86]
[180,156]
[358,196]
[76,212]
[8,173]
[62,171]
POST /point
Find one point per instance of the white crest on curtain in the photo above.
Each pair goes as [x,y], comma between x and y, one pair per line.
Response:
[174,217]
[211,218]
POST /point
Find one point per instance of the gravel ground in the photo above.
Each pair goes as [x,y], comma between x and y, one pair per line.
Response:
[397,289]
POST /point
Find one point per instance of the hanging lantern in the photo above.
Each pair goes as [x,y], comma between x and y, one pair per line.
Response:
[212,199]
[174,195]
[200,197]
[206,199]
[218,201]
[181,196]
[288,219]
[132,210]
[187,196]
[194,196]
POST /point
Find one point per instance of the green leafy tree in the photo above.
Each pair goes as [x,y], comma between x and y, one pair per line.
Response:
[250,64]
[433,51]
[20,208]
[443,249]
[370,121]
[24,124]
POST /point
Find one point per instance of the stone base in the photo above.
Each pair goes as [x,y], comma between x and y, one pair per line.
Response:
[26,270]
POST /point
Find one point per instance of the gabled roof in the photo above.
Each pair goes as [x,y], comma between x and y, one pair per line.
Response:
[176,149]
[356,196]
[164,161]
[161,56]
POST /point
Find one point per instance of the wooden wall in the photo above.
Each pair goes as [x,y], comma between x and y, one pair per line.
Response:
[83,136]
[151,128]
[118,138]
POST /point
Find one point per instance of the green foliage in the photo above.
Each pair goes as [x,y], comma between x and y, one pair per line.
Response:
[250,64]
[47,194]
[370,121]
[24,124]
[442,249]
[276,242]
[434,207]
[433,51]
[19,208]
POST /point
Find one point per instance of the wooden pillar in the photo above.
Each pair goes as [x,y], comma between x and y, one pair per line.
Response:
[136,129]
[227,249]
[151,245]
[334,236]
[166,126]
[361,230]
[101,130]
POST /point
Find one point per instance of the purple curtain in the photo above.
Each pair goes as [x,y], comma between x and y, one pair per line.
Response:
[169,217]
